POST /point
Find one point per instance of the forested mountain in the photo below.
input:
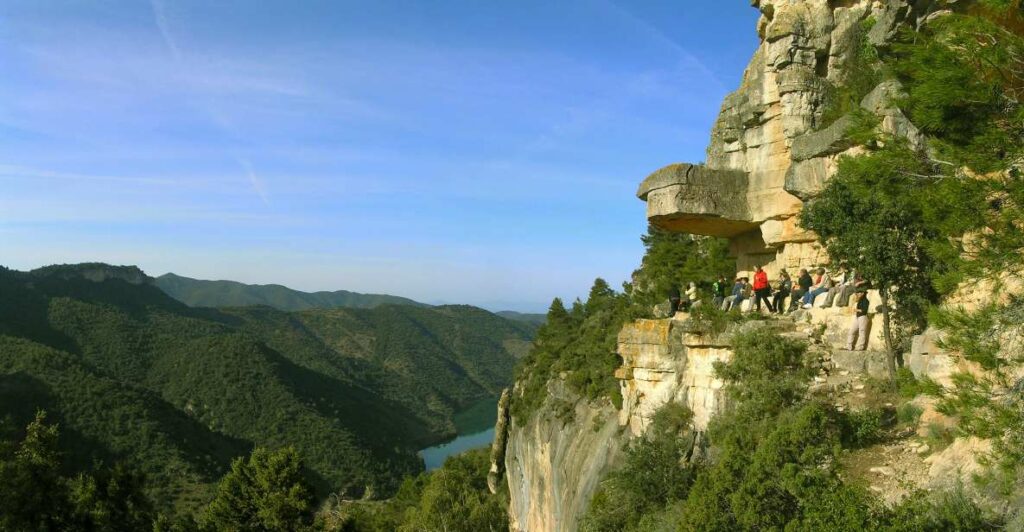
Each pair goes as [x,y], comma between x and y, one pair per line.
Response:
[200,293]
[535,319]
[131,374]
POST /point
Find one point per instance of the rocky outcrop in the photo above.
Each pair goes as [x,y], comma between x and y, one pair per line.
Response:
[497,471]
[769,149]
[556,459]
[661,364]
[95,272]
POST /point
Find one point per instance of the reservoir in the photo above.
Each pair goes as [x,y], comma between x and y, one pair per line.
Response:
[475,426]
[434,457]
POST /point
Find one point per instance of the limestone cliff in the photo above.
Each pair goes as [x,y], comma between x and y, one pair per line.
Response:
[556,459]
[769,148]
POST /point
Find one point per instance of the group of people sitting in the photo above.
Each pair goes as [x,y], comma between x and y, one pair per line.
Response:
[837,288]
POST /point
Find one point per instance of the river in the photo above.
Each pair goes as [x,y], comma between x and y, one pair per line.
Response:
[476,429]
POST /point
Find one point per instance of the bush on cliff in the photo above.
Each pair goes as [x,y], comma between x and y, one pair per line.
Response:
[772,463]
[656,472]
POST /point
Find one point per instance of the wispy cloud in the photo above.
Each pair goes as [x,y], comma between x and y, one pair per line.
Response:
[257,184]
[21,172]
[160,17]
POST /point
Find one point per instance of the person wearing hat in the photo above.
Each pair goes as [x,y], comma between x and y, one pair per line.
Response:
[859,328]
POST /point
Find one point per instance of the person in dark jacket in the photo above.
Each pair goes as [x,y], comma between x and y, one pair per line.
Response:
[762,290]
[738,295]
[859,327]
[673,298]
[782,291]
[804,283]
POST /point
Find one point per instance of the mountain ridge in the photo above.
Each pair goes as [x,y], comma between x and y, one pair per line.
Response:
[226,293]
[133,375]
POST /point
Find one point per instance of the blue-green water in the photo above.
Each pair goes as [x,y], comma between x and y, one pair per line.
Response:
[475,425]
[434,457]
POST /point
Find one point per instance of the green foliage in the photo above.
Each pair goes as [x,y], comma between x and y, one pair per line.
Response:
[673,259]
[453,498]
[711,319]
[36,495]
[775,451]
[910,386]
[177,393]
[656,472]
[581,343]
[264,492]
[976,335]
[865,427]
[947,511]
[964,80]
[772,463]
[111,499]
[887,214]
[909,414]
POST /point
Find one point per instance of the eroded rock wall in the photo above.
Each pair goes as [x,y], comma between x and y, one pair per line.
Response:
[664,364]
[555,461]
[770,149]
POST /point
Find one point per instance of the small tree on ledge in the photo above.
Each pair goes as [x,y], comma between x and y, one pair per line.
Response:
[888,215]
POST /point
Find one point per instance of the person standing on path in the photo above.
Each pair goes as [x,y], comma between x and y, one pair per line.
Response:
[762,290]
[783,290]
[859,328]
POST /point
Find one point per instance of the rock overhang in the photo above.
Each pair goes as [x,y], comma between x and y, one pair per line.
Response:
[696,199]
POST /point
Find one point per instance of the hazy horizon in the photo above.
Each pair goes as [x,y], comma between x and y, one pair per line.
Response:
[453,152]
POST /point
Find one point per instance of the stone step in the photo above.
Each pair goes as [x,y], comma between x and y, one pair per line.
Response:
[872,362]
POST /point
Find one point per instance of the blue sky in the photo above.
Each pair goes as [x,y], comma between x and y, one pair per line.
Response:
[456,151]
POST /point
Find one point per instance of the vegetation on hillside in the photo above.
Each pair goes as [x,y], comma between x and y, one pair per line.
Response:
[177,393]
[454,498]
[927,223]
[771,463]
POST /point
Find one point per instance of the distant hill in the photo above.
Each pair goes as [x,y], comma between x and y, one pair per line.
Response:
[200,293]
[535,319]
[132,374]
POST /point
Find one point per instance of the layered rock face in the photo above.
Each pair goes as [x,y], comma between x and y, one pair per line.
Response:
[664,364]
[555,461]
[769,149]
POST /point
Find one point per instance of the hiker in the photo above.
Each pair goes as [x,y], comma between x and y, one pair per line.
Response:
[804,283]
[856,281]
[762,290]
[782,290]
[673,298]
[719,289]
[738,294]
[692,297]
[839,281]
[820,287]
[859,327]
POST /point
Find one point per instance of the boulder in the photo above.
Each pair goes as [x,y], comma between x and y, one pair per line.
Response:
[872,363]
[827,141]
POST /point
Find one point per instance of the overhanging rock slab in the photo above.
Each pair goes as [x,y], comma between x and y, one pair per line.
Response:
[697,199]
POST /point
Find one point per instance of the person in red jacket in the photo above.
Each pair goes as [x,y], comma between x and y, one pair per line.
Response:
[762,290]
